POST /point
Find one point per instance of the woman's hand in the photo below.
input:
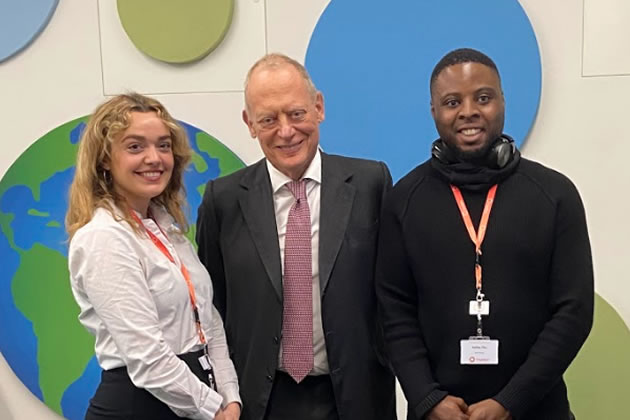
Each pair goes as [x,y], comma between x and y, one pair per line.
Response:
[232,411]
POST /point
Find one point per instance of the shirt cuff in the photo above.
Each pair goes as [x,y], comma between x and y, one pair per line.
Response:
[209,408]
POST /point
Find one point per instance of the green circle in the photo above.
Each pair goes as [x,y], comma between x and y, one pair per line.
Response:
[176,31]
[599,377]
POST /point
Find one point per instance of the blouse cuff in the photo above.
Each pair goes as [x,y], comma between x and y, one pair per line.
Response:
[230,394]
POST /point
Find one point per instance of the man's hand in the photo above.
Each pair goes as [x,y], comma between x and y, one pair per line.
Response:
[450,408]
[488,410]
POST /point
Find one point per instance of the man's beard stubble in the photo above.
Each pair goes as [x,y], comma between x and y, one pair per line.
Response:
[476,156]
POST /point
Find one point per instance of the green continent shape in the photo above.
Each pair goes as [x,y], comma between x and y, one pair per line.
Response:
[228,163]
[198,162]
[35,212]
[41,291]
[51,153]
[599,378]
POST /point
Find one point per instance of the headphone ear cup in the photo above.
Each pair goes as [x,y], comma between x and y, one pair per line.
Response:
[501,152]
[441,152]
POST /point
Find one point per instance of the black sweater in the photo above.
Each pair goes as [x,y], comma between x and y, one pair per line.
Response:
[537,275]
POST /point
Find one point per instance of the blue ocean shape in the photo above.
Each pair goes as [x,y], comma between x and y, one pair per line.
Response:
[76,399]
[46,226]
[18,343]
[75,134]
[193,178]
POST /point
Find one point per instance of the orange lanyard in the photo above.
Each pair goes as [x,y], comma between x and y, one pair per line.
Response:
[185,273]
[476,237]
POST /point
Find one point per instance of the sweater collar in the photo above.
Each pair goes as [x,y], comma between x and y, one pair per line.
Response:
[474,176]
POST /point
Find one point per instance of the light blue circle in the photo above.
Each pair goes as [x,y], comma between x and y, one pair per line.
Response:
[21,22]
[373,61]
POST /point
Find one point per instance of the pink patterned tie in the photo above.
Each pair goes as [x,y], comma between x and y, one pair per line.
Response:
[297,316]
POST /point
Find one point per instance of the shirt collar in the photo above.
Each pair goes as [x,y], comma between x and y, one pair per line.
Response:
[313,171]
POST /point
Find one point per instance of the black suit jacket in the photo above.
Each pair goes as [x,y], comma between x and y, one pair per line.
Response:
[238,243]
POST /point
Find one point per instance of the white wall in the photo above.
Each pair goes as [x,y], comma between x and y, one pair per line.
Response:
[581,128]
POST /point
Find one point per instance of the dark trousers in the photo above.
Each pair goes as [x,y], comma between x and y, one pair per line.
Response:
[118,398]
[311,399]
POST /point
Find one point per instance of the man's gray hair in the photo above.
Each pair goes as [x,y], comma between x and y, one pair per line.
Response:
[276,60]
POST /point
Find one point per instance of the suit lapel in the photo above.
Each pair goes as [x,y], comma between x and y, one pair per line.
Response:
[337,196]
[257,207]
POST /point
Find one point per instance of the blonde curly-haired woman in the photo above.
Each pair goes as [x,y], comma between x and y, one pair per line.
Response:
[140,287]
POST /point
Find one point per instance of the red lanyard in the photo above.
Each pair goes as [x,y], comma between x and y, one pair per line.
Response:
[476,237]
[185,273]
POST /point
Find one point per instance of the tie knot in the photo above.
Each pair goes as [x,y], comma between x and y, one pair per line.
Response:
[298,189]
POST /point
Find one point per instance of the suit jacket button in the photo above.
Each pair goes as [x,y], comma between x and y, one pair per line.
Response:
[276,339]
[270,378]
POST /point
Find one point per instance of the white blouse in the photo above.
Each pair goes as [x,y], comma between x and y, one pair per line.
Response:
[135,302]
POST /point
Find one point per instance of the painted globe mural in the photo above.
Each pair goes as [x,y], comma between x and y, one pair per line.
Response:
[40,335]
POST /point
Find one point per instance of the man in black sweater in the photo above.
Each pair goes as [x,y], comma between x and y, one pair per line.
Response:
[486,292]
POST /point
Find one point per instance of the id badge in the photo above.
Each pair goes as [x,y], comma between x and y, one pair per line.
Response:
[479,307]
[479,351]
[204,361]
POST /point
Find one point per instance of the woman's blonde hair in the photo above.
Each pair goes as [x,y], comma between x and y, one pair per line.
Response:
[92,186]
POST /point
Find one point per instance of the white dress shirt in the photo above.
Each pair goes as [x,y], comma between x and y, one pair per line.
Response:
[283,199]
[136,303]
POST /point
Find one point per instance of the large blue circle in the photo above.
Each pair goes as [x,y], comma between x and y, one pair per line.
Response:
[373,60]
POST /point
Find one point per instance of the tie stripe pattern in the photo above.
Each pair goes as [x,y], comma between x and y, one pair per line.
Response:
[297,316]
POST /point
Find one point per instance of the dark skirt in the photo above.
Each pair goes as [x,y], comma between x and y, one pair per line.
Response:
[118,398]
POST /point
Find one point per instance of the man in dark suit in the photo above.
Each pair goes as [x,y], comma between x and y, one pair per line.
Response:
[290,244]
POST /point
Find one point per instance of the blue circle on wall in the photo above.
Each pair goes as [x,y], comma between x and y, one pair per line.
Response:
[373,61]
[21,22]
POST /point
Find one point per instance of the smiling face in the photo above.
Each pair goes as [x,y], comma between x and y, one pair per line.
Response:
[468,108]
[141,160]
[284,115]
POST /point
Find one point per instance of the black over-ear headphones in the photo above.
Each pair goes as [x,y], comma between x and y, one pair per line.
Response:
[499,155]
